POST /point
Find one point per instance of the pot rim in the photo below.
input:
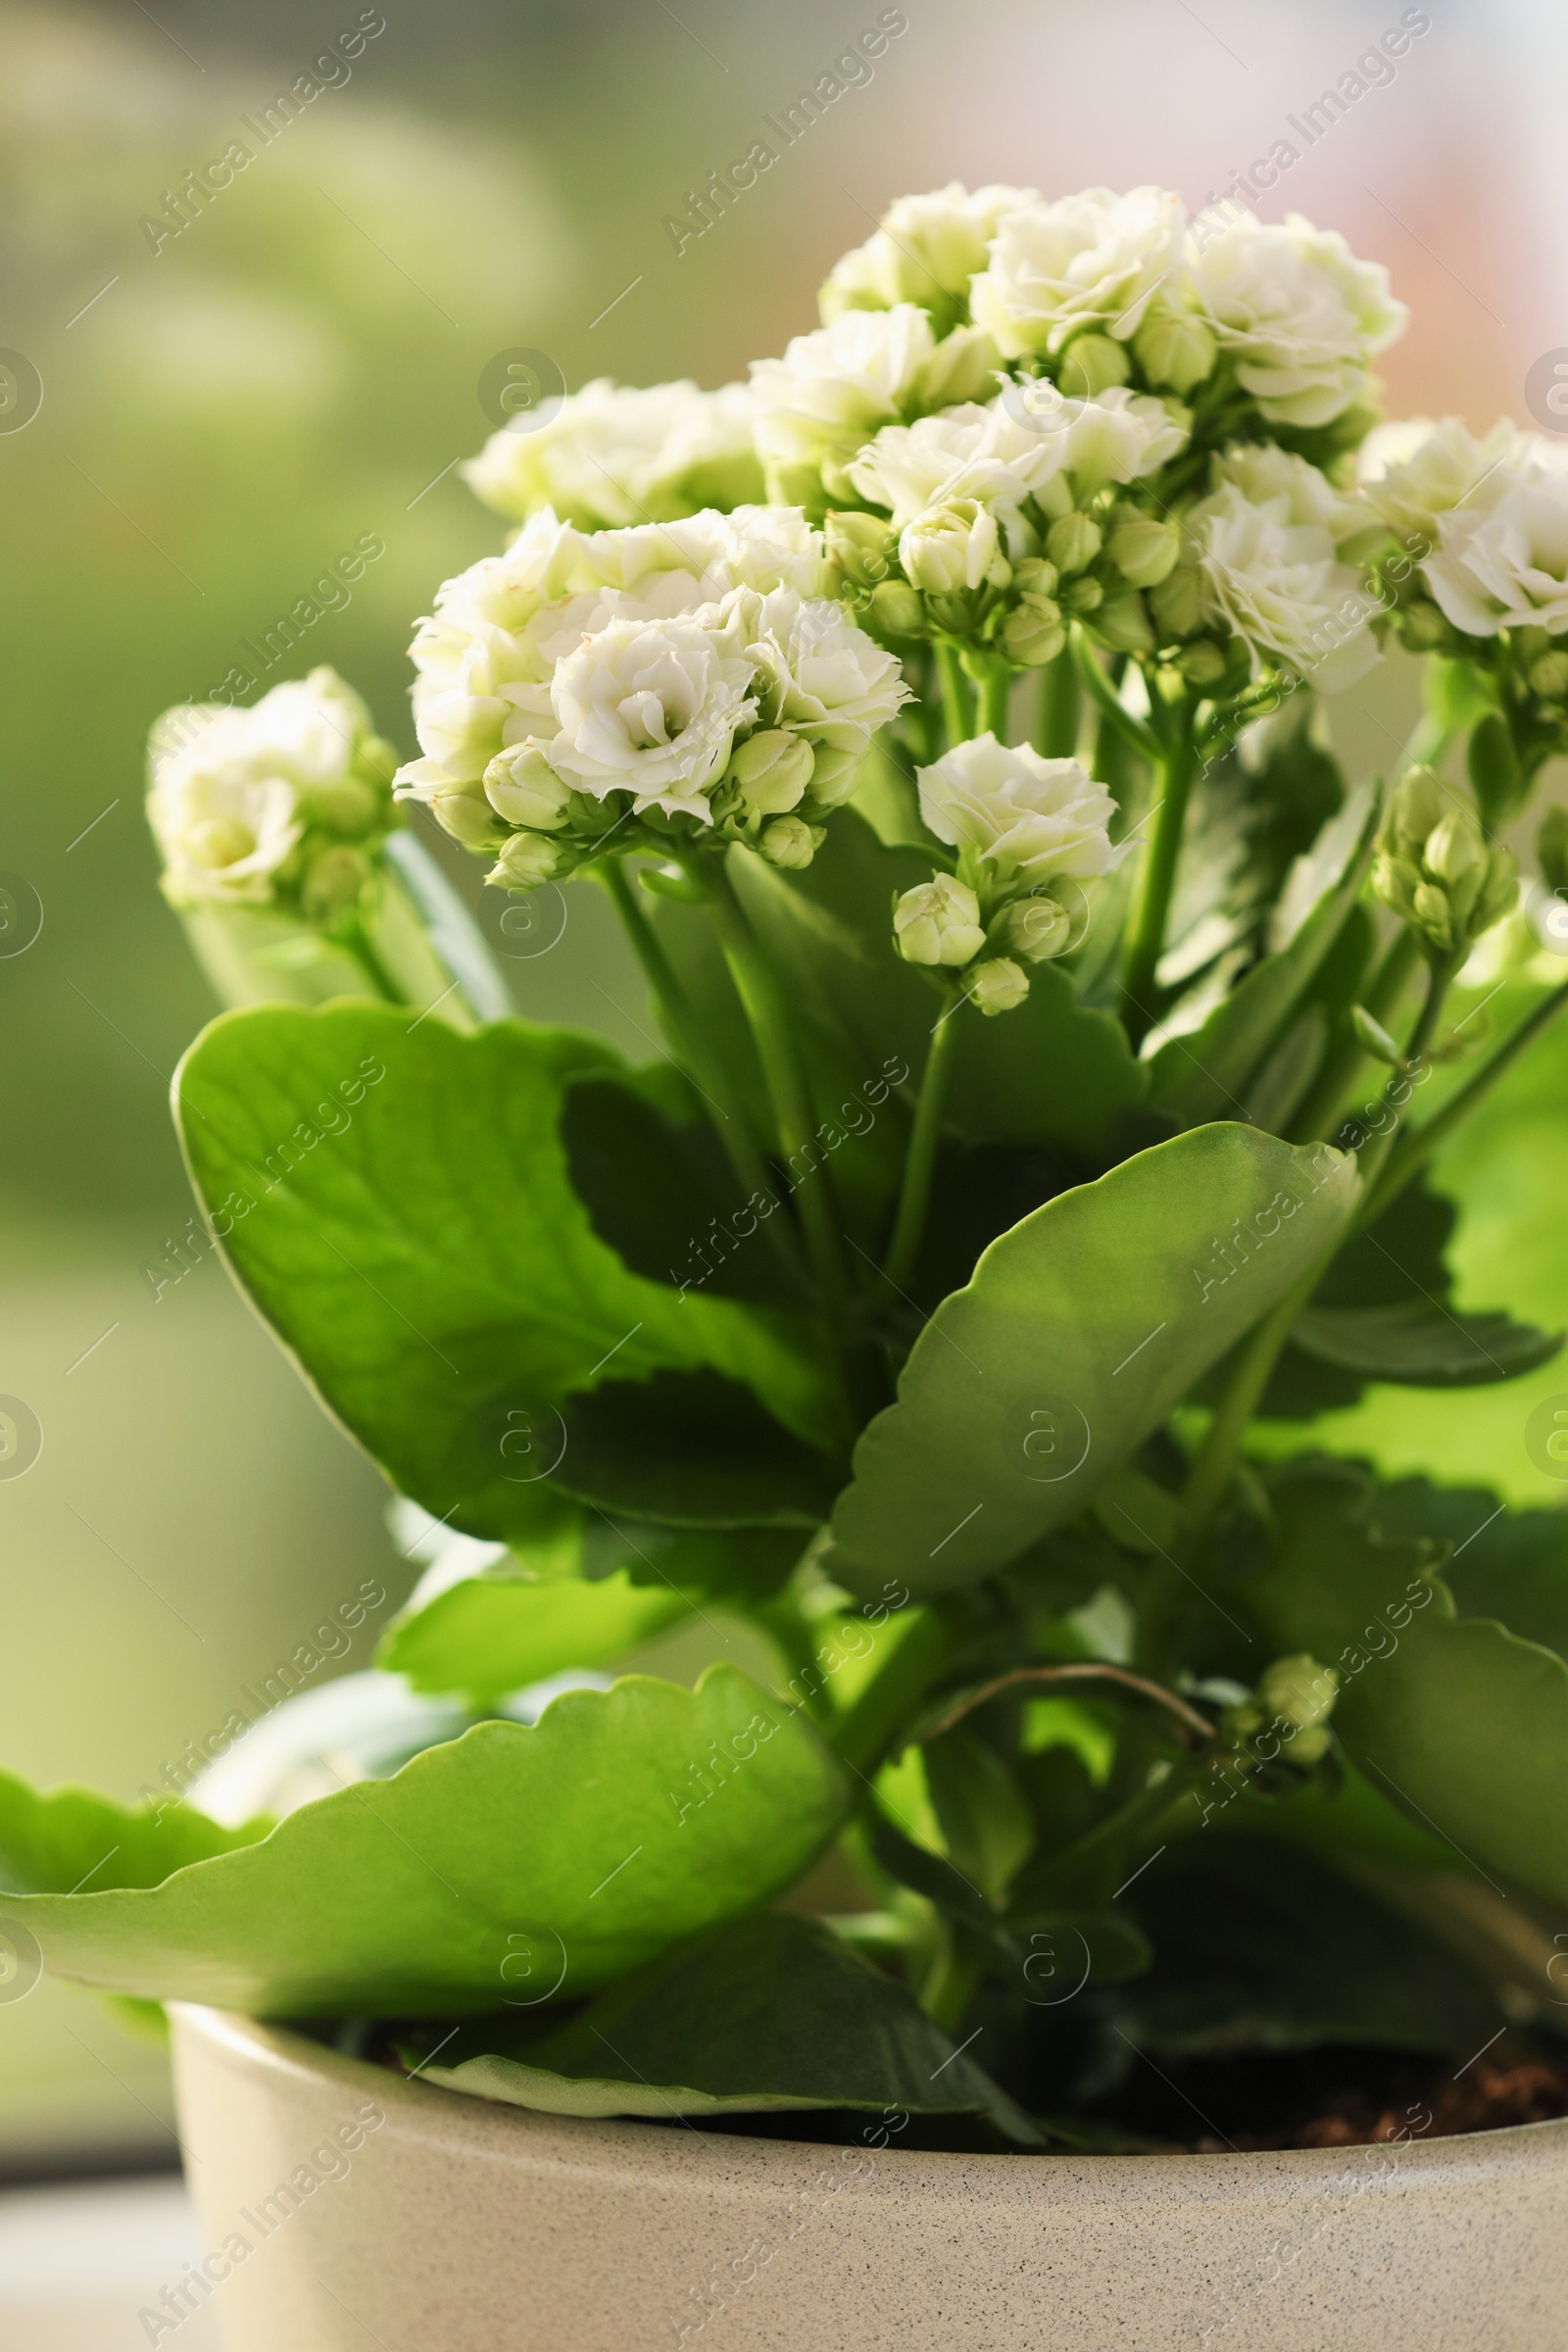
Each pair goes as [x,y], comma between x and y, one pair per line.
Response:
[431,2112]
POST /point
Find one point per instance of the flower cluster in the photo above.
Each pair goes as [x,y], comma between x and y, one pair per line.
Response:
[1020,825]
[612,456]
[639,688]
[1438,871]
[283,804]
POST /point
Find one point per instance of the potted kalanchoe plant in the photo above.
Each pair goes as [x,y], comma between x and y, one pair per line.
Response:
[1099,1787]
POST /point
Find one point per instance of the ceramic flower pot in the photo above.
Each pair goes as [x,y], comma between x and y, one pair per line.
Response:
[346,2206]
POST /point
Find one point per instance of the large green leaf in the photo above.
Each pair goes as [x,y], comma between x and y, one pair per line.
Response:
[73,1837]
[507,1865]
[1456,1719]
[419,1248]
[1079,1331]
[1423,1344]
[1206,1075]
[771,2012]
[1260,1945]
[504,1628]
[1503,1563]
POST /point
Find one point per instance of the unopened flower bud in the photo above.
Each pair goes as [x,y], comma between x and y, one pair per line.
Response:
[1082,596]
[1203,662]
[1035,929]
[1093,363]
[521,786]
[863,546]
[997,986]
[1122,622]
[938,922]
[896,607]
[1548,676]
[1417,806]
[772,770]
[528,858]
[1033,633]
[952,546]
[1034,576]
[835,772]
[1073,543]
[1178,602]
[1173,347]
[468,816]
[334,881]
[790,842]
[1455,852]
[1143,549]
[1297,1695]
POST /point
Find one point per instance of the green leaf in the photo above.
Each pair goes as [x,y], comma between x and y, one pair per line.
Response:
[53,1845]
[504,1628]
[1457,1720]
[1259,1945]
[771,2012]
[1508,1565]
[689,1449]
[986,1824]
[511,1864]
[1051,1072]
[1423,1345]
[1078,1333]
[1206,1075]
[397,1201]
[1399,1261]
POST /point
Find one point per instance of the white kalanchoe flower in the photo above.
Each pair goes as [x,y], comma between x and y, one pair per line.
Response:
[1027,818]
[1087,262]
[488,655]
[1502,553]
[1300,314]
[1413,470]
[1276,581]
[1262,471]
[953,547]
[925,250]
[833,389]
[653,707]
[247,803]
[614,454]
[825,681]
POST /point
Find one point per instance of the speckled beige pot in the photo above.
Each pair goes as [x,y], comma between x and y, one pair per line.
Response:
[454,2226]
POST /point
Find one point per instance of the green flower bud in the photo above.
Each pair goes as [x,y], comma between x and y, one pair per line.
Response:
[1395,880]
[521,786]
[1421,628]
[1035,929]
[835,772]
[468,817]
[1418,805]
[861,546]
[1432,914]
[1455,852]
[997,986]
[349,803]
[1032,635]
[1034,576]
[938,922]
[1093,363]
[1082,596]
[334,882]
[1177,601]
[1552,850]
[1145,549]
[1123,622]
[1173,347]
[1203,662]
[1300,1694]
[528,860]
[896,609]
[791,843]
[1548,676]
[1073,543]
[772,770]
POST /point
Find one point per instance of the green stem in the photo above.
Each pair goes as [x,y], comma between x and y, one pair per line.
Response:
[948,1990]
[1175,772]
[353,934]
[957,695]
[1059,709]
[995,695]
[1417,1148]
[1321,1112]
[763,1003]
[685,1033]
[919,1164]
[1104,695]
[867,1728]
[1093,1863]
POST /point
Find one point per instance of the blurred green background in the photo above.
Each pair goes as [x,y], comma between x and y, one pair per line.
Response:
[224,416]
